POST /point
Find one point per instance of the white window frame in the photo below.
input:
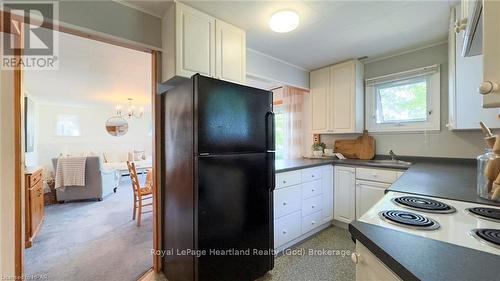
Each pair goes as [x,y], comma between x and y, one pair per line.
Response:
[433,76]
[60,132]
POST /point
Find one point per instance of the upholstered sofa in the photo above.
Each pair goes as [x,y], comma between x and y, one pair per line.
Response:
[99,182]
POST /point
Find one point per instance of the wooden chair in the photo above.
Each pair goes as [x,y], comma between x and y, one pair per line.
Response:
[140,193]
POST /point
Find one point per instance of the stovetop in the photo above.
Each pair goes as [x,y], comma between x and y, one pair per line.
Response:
[408,219]
[456,225]
[423,204]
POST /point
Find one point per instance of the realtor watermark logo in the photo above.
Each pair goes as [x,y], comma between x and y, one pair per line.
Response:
[29,40]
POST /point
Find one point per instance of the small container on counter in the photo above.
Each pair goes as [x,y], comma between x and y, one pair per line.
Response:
[488,175]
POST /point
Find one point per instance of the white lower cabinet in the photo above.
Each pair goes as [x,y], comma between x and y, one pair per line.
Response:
[344,194]
[369,267]
[311,222]
[303,202]
[367,194]
[287,228]
[357,189]
[287,200]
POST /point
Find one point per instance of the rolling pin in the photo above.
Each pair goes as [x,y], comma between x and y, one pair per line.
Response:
[489,138]
[496,189]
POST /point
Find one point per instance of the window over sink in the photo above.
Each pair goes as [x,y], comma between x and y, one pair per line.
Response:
[405,101]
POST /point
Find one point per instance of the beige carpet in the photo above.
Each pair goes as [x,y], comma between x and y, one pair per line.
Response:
[92,241]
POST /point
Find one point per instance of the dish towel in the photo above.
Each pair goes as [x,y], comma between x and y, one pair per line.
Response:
[70,171]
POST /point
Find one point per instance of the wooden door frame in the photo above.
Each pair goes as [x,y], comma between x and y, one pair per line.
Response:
[156,138]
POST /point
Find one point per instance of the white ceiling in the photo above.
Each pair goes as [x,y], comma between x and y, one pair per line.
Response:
[92,74]
[330,31]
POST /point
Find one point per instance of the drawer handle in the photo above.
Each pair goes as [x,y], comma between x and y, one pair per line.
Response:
[284,231]
[284,203]
[374,175]
[355,257]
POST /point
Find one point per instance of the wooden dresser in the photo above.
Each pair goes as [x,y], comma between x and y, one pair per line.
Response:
[34,203]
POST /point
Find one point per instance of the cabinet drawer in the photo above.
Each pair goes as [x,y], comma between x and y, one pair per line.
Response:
[311,189]
[311,222]
[388,176]
[312,205]
[35,178]
[287,179]
[286,229]
[287,200]
[311,174]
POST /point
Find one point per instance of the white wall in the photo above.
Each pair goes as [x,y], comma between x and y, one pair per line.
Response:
[262,66]
[93,136]
[444,143]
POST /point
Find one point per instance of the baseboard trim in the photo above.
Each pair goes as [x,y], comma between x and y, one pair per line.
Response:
[340,224]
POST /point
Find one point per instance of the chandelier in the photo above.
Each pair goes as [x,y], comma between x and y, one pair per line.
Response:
[131,110]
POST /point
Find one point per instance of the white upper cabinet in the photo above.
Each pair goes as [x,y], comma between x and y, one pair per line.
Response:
[337,98]
[194,42]
[465,74]
[231,52]
[319,89]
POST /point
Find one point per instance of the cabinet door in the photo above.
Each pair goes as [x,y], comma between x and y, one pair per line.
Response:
[231,52]
[342,91]
[195,42]
[327,189]
[370,268]
[344,190]
[491,51]
[319,99]
[465,103]
[367,194]
[36,206]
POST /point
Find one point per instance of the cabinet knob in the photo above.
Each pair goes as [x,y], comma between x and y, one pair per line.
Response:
[284,203]
[284,181]
[312,176]
[355,257]
[487,87]
[313,222]
[312,189]
[312,206]
[284,231]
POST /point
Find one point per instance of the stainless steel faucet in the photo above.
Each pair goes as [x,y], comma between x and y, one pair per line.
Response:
[392,154]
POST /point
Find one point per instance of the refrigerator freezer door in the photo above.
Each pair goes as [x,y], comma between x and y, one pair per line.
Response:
[231,118]
[235,212]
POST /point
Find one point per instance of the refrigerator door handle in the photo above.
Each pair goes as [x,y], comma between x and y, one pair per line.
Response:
[270,131]
[271,172]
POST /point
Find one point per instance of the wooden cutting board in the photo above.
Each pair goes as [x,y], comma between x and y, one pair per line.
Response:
[361,148]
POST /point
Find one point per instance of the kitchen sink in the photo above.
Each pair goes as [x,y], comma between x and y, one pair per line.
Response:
[395,162]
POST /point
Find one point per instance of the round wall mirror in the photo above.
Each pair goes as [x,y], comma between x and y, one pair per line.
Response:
[116,126]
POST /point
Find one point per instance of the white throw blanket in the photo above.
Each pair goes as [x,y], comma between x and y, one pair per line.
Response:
[70,171]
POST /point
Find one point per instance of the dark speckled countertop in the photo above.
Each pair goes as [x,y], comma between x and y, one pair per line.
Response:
[296,164]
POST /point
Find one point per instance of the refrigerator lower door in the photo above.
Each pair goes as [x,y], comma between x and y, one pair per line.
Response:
[235,216]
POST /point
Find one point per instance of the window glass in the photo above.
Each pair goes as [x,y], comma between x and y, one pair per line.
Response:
[402,101]
[68,125]
[279,133]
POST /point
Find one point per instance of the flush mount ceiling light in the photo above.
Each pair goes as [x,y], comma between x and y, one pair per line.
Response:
[284,21]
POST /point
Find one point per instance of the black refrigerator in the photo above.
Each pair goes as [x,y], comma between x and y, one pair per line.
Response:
[217,181]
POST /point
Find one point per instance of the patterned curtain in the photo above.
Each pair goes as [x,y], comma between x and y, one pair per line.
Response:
[293,108]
